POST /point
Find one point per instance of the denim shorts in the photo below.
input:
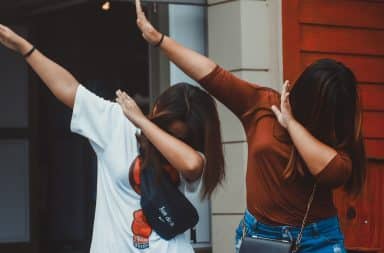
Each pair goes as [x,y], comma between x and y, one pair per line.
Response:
[323,236]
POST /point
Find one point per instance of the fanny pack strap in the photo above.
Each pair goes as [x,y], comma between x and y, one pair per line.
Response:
[300,235]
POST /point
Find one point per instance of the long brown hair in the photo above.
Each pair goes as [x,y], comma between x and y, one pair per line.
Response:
[197,110]
[325,100]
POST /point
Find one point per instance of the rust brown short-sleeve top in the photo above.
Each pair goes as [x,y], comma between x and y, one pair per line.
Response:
[271,198]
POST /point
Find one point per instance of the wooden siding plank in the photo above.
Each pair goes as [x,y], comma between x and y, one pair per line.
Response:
[367,69]
[349,31]
[291,39]
[342,40]
[372,97]
[369,211]
[375,148]
[373,124]
[342,13]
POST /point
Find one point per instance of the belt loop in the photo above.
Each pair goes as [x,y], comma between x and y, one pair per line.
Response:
[315,229]
[255,224]
[285,230]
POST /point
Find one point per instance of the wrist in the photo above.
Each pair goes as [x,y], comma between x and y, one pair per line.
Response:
[140,121]
[23,46]
[291,123]
[157,37]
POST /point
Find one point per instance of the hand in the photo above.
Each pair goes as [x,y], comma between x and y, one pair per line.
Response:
[284,114]
[130,108]
[150,34]
[13,41]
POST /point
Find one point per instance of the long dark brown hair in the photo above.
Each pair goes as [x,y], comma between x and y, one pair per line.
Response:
[325,100]
[198,113]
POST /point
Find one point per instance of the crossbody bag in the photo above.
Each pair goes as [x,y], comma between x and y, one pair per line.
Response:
[257,244]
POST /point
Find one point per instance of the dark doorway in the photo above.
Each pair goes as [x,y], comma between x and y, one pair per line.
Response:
[105,52]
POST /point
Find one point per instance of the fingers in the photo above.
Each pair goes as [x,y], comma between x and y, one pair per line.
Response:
[284,92]
[285,87]
[285,97]
[122,97]
[139,13]
[139,10]
[276,111]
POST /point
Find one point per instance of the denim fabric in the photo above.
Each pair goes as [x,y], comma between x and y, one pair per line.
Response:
[323,236]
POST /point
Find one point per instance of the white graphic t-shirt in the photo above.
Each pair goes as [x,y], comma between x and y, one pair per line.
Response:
[119,225]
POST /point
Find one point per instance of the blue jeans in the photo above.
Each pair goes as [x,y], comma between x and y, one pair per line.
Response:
[323,236]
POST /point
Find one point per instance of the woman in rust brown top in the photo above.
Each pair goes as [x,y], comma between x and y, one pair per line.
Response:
[310,134]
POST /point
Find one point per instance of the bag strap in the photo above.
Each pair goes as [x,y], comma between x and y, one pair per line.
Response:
[300,235]
[295,247]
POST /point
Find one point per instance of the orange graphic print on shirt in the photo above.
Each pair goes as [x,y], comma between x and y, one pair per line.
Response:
[141,230]
[140,227]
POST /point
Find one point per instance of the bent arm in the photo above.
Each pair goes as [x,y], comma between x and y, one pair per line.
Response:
[180,155]
[315,153]
[61,83]
[330,167]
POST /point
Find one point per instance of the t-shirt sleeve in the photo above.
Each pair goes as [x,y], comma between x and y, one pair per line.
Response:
[93,117]
[337,171]
[238,95]
[192,190]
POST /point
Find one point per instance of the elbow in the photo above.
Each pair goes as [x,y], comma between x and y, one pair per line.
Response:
[195,164]
[335,174]
[193,167]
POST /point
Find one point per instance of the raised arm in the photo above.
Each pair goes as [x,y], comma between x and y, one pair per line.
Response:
[180,155]
[220,83]
[61,83]
[192,63]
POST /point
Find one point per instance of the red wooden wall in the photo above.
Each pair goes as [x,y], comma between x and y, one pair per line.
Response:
[351,31]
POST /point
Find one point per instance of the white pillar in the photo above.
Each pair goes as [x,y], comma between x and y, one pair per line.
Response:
[244,37]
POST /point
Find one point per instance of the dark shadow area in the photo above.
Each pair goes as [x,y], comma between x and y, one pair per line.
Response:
[105,52]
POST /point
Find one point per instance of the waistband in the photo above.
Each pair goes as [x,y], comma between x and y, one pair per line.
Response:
[315,227]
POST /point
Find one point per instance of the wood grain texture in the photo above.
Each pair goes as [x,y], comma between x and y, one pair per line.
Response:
[350,31]
[364,230]
[357,14]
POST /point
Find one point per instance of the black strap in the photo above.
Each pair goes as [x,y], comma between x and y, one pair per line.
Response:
[300,235]
[29,52]
[160,41]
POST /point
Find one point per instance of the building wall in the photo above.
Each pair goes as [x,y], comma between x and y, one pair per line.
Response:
[351,32]
[244,37]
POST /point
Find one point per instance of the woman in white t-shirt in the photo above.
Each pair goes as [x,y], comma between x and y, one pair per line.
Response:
[181,136]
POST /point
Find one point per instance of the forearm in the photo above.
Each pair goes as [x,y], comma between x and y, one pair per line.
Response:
[180,155]
[192,63]
[61,83]
[315,154]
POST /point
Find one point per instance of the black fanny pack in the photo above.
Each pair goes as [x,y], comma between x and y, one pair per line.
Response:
[167,210]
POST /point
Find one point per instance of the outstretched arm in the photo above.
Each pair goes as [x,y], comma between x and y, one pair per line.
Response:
[220,83]
[192,63]
[61,83]
[181,156]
